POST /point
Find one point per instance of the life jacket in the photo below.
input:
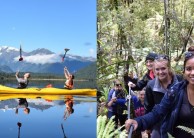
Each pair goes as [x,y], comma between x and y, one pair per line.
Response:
[49,86]
[23,85]
[69,86]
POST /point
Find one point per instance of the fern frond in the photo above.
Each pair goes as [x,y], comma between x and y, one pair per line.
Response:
[106,128]
[170,136]
[109,127]
[187,129]
[101,123]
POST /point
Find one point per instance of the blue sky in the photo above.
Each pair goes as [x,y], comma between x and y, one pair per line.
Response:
[51,24]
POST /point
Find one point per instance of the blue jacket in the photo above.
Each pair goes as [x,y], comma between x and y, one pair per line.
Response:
[138,106]
[120,100]
[167,111]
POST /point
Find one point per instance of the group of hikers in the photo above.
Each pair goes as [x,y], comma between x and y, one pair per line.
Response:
[165,100]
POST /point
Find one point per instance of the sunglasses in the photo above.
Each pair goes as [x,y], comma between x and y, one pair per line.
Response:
[189,55]
[165,57]
[117,85]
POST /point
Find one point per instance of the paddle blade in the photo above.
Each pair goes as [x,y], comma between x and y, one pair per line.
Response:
[20,59]
[66,49]
[19,124]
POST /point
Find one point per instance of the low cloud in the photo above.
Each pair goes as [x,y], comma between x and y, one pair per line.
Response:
[41,59]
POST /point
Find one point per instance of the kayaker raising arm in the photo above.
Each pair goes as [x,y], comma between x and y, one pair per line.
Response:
[23,82]
[69,79]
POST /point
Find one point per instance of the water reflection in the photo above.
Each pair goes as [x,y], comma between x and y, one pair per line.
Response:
[50,116]
[22,103]
[19,125]
[63,131]
[69,107]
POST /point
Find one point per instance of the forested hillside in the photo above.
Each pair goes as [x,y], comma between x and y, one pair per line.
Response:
[87,73]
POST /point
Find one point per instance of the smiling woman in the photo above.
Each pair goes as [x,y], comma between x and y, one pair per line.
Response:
[176,106]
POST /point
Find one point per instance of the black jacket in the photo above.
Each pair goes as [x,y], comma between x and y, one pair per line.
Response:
[128,79]
[155,92]
[142,83]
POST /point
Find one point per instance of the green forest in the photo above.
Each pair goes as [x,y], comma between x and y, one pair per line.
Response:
[127,30]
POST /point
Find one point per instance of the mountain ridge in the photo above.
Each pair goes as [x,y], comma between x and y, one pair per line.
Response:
[41,60]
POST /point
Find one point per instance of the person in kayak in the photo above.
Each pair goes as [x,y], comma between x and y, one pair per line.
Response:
[23,82]
[69,79]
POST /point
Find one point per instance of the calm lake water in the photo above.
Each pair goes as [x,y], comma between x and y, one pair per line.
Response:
[49,116]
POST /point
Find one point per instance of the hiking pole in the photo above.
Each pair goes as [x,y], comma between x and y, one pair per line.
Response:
[130,131]
[129,101]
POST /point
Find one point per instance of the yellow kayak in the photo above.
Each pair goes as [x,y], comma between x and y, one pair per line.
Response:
[37,96]
[32,96]
[53,91]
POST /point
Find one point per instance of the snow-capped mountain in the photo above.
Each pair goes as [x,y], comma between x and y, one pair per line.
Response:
[40,51]
[41,60]
[8,49]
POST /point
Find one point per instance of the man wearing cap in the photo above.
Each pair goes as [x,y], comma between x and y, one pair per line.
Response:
[149,61]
